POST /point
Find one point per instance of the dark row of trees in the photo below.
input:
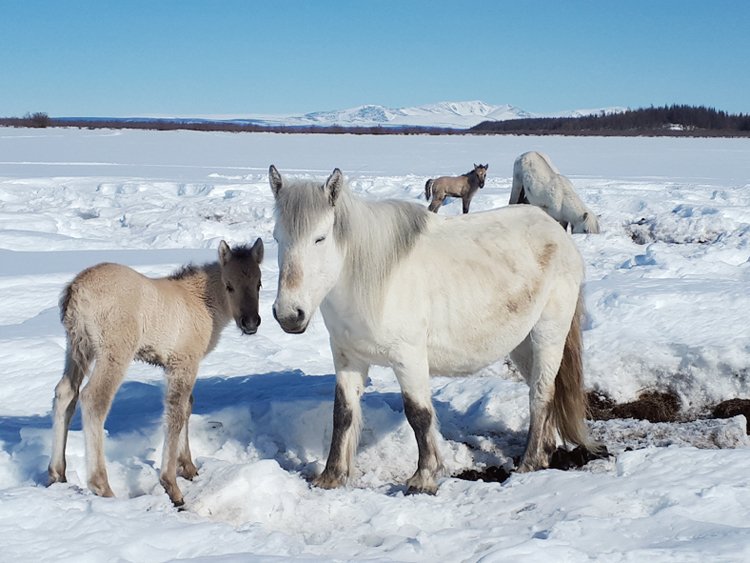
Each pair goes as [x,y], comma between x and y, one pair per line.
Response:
[677,120]
[666,120]
[43,120]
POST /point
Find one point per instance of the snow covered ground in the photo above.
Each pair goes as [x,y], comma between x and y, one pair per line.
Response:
[667,297]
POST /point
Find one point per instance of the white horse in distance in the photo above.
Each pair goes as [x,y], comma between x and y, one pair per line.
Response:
[538,182]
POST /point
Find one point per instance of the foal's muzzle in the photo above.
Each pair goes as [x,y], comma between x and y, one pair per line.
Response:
[249,324]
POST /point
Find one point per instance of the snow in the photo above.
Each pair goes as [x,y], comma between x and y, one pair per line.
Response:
[667,308]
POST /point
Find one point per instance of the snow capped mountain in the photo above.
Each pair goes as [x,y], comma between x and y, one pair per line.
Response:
[459,115]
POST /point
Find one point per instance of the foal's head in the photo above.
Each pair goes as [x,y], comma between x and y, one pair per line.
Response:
[480,170]
[310,256]
[240,274]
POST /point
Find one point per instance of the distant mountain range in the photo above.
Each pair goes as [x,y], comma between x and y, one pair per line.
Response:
[458,115]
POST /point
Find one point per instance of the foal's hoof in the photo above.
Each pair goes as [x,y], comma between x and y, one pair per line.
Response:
[327,480]
[56,478]
[188,471]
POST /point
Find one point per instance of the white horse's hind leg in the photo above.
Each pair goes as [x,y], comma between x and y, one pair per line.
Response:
[96,399]
[180,381]
[420,413]
[538,358]
[66,396]
[351,375]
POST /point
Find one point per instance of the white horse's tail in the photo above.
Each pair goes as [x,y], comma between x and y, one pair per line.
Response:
[569,404]
[517,193]
[428,189]
[80,349]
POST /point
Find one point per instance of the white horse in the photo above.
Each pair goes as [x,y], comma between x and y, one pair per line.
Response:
[537,181]
[510,282]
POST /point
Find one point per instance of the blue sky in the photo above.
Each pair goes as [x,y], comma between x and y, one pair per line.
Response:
[164,57]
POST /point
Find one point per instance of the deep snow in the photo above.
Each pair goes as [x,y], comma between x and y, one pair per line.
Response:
[667,307]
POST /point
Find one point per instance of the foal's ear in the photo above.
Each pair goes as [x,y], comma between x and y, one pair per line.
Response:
[334,185]
[257,251]
[274,178]
[224,253]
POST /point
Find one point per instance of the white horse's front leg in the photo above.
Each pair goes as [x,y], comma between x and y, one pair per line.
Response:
[414,379]
[351,375]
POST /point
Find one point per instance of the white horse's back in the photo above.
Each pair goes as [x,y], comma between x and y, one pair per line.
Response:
[468,272]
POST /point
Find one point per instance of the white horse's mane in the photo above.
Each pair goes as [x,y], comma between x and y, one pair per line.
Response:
[375,235]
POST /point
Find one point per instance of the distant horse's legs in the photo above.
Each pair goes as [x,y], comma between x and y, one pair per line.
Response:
[437,201]
[66,396]
[414,380]
[466,200]
[351,375]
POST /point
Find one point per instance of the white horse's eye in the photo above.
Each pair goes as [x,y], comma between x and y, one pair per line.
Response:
[319,240]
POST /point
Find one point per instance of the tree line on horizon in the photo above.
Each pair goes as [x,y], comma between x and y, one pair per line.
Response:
[674,120]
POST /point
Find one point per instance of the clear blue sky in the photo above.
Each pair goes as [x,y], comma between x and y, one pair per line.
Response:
[118,58]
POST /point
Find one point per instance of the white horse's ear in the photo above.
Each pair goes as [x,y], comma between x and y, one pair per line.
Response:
[257,251]
[334,185]
[224,253]
[274,178]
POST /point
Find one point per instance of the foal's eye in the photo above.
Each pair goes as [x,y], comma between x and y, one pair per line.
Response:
[319,240]
[230,289]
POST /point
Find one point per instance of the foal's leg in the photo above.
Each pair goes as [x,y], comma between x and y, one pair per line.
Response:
[66,396]
[466,200]
[538,358]
[414,379]
[180,380]
[437,200]
[351,375]
[185,466]
[96,399]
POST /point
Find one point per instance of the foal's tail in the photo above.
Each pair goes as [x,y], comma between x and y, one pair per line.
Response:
[80,348]
[428,189]
[569,404]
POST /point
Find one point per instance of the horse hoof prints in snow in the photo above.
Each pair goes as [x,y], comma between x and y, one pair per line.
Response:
[112,314]
[464,186]
[370,266]
[538,182]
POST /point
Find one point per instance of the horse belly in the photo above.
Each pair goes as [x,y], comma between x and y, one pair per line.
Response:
[463,344]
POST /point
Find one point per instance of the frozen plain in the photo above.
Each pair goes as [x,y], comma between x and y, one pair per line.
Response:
[667,307]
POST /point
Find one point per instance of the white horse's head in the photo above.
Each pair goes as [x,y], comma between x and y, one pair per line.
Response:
[588,223]
[310,258]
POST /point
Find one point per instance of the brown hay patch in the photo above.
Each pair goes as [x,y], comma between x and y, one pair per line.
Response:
[654,406]
[488,475]
[733,407]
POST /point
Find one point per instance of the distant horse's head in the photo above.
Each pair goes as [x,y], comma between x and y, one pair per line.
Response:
[587,224]
[240,274]
[310,256]
[480,170]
